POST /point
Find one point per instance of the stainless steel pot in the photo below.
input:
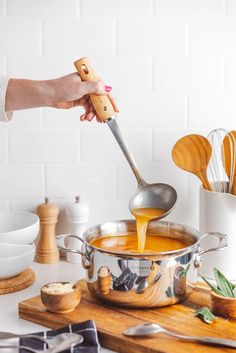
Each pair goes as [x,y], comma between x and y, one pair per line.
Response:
[150,280]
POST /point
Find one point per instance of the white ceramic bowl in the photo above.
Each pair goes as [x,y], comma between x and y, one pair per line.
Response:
[15,258]
[18,227]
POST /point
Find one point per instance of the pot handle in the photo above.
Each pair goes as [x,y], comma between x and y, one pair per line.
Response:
[64,248]
[85,261]
[222,244]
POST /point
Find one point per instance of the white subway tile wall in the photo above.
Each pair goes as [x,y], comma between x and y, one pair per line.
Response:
[2,66]
[116,9]
[152,110]
[212,107]
[74,38]
[1,8]
[214,37]
[20,37]
[230,79]
[43,146]
[42,9]
[189,8]
[21,181]
[3,146]
[172,66]
[151,37]
[189,73]
[30,118]
[91,180]
[107,151]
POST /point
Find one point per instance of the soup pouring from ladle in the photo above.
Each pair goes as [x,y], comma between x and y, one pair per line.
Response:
[160,197]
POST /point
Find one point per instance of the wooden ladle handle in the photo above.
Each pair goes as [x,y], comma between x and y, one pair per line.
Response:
[101,103]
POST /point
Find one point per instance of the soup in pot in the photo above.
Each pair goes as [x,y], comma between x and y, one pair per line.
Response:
[129,243]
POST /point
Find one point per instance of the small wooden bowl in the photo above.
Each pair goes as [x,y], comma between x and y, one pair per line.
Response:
[223,306]
[61,303]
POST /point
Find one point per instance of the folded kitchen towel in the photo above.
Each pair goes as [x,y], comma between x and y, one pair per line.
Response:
[87,329]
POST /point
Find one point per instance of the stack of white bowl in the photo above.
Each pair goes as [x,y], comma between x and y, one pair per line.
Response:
[18,231]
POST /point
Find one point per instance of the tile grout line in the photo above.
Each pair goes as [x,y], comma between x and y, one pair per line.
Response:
[153,8]
[8,147]
[78,9]
[225,8]
[187,110]
[44,176]
[5,9]
[115,37]
[225,69]
[79,149]
[42,37]
[153,69]
[116,181]
[41,117]
[5,66]
[187,38]
[151,143]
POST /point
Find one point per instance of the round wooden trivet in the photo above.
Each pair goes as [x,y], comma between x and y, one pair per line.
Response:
[17,283]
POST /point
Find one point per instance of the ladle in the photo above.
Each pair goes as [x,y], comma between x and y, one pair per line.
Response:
[159,195]
[151,328]
[192,153]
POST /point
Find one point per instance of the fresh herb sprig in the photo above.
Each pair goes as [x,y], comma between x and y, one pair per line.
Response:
[205,314]
[224,287]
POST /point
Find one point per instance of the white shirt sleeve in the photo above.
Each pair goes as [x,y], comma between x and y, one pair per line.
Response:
[4,116]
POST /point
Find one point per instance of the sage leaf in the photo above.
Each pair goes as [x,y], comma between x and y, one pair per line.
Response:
[213,287]
[205,314]
[223,284]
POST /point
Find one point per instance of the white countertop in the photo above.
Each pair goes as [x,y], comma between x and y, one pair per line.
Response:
[9,320]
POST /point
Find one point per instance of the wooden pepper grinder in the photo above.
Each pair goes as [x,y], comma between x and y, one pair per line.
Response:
[46,250]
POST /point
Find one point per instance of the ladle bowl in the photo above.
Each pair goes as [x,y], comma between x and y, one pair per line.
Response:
[158,195]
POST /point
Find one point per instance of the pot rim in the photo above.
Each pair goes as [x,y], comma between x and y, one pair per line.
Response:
[146,255]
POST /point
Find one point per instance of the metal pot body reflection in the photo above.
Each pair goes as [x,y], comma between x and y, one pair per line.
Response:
[142,280]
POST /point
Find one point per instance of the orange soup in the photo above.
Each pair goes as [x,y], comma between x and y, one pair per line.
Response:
[129,243]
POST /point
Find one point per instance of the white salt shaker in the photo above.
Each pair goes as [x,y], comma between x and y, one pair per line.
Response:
[77,216]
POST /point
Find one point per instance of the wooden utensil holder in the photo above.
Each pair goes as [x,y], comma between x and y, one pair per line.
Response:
[46,250]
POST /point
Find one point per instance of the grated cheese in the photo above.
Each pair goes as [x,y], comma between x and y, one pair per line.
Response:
[103,271]
[58,288]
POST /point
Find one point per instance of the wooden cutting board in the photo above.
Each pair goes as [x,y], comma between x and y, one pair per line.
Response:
[111,321]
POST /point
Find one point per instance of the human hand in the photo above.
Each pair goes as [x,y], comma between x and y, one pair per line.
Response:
[71,91]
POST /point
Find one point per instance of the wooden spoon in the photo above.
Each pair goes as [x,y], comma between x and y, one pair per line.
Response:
[230,159]
[192,153]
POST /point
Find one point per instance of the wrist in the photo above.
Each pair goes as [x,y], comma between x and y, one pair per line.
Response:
[47,90]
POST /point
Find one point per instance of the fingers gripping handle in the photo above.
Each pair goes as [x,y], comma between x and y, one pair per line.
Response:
[101,103]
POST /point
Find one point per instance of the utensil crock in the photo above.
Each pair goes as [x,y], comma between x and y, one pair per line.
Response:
[143,280]
[218,213]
